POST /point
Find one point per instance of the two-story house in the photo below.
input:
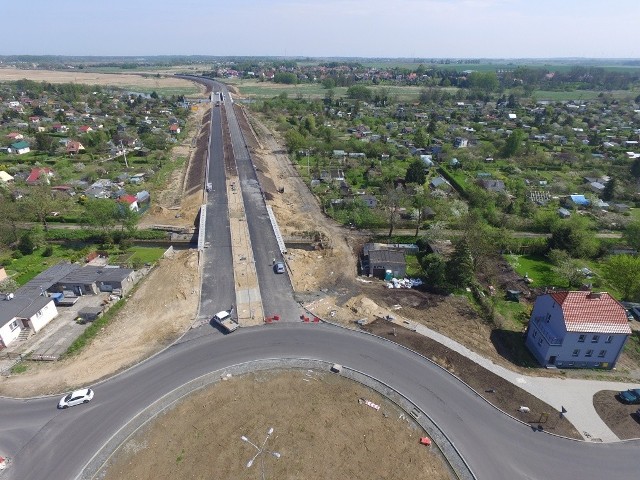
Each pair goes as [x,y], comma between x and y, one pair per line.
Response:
[577,330]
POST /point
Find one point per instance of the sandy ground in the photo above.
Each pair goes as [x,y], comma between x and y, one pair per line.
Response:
[321,430]
[111,79]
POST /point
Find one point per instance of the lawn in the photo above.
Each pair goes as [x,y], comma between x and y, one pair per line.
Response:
[538,269]
[28,266]
[144,255]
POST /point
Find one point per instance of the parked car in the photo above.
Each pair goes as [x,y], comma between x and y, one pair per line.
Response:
[76,398]
[279,267]
[635,311]
[630,397]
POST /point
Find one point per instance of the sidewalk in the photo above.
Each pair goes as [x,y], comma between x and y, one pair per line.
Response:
[576,396]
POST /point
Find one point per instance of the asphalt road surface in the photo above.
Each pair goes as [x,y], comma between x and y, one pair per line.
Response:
[218,291]
[60,443]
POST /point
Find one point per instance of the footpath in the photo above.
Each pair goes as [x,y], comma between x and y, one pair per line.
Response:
[574,395]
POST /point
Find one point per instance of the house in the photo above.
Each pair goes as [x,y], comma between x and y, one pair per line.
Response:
[143,197]
[15,136]
[5,177]
[378,259]
[596,187]
[20,147]
[91,280]
[577,330]
[563,213]
[369,200]
[59,128]
[73,147]
[577,201]
[85,129]
[427,160]
[174,129]
[339,154]
[18,313]
[491,185]
[39,174]
[460,142]
[438,183]
[130,200]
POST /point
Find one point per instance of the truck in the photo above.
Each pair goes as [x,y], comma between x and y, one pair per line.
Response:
[224,319]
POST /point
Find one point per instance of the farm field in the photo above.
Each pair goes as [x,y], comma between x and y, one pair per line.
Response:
[142,83]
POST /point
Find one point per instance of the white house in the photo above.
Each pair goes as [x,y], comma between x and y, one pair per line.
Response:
[5,177]
[18,313]
[577,330]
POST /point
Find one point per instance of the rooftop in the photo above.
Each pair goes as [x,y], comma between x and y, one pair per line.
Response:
[592,312]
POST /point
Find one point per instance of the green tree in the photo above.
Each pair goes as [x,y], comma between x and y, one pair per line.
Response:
[101,213]
[45,143]
[459,269]
[574,237]
[635,168]
[434,267]
[26,245]
[287,78]
[485,82]
[295,140]
[39,204]
[609,189]
[416,172]
[11,214]
[419,202]
[513,144]
[392,201]
[631,235]
[360,92]
[621,271]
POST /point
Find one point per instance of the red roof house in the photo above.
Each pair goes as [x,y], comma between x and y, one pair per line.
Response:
[577,330]
[39,174]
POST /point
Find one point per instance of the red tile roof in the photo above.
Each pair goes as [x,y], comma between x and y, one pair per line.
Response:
[592,312]
[37,172]
[133,198]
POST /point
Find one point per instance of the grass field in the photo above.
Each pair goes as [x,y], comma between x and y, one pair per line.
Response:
[538,269]
[310,91]
[580,95]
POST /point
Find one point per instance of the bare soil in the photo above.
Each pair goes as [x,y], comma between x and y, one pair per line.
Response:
[321,429]
[620,418]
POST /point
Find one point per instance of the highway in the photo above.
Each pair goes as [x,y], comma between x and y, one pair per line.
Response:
[46,443]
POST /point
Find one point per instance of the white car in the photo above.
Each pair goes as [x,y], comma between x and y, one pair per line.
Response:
[76,398]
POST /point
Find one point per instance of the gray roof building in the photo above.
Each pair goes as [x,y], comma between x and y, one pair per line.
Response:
[21,307]
[46,279]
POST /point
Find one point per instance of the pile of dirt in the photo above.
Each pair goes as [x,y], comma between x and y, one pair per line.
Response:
[322,429]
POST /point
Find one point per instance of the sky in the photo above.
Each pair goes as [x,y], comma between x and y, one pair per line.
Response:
[324,28]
